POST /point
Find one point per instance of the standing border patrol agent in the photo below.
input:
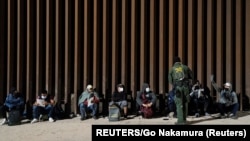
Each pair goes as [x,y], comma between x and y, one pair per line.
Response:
[181,86]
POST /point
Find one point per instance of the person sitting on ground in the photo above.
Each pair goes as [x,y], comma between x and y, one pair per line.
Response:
[13,101]
[88,102]
[146,99]
[228,101]
[200,99]
[44,105]
[119,98]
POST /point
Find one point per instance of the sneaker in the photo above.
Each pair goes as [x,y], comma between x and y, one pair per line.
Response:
[231,115]
[139,113]
[223,116]
[51,119]
[171,114]
[125,116]
[34,120]
[226,115]
[4,121]
[234,117]
[82,118]
[197,115]
[41,118]
[207,114]
[94,117]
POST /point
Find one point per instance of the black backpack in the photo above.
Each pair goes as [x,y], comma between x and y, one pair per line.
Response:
[14,118]
[59,113]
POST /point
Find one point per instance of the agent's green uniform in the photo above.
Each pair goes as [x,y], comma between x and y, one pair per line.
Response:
[181,87]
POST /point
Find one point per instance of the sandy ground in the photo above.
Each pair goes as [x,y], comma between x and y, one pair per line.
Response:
[76,130]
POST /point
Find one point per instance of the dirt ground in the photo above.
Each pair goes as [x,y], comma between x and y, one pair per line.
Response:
[75,130]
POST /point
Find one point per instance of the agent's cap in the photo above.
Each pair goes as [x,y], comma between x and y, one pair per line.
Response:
[177,59]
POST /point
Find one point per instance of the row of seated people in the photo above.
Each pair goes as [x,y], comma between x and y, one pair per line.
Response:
[43,107]
[202,104]
[89,99]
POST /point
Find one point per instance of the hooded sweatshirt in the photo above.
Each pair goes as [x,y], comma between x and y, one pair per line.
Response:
[150,96]
[86,95]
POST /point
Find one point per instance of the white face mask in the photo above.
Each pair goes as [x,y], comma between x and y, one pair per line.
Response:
[147,89]
[43,97]
[120,89]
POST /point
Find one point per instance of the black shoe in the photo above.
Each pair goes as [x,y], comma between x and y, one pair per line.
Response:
[94,117]
[197,115]
[83,118]
[125,116]
[180,123]
[139,113]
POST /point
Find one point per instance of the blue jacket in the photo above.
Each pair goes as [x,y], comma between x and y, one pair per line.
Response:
[13,101]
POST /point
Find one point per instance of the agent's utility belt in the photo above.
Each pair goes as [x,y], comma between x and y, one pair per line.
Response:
[181,83]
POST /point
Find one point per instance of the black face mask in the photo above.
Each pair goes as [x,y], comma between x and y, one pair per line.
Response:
[226,89]
[16,94]
[196,87]
[227,94]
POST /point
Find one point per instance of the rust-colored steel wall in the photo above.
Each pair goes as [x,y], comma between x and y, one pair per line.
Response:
[64,45]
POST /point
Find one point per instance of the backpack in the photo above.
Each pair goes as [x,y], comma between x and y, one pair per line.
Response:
[178,72]
[171,97]
[14,118]
[59,112]
[147,112]
[114,112]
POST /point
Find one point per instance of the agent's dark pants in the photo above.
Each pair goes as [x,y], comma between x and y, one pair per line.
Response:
[182,99]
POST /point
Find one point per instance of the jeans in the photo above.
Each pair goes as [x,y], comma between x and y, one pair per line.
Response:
[200,105]
[232,108]
[84,109]
[38,110]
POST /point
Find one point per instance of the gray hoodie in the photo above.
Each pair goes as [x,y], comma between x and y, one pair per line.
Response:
[86,95]
[225,97]
[150,95]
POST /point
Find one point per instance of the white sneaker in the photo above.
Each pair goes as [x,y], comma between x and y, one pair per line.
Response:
[34,120]
[231,115]
[207,114]
[51,119]
[4,121]
[171,114]
[41,117]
